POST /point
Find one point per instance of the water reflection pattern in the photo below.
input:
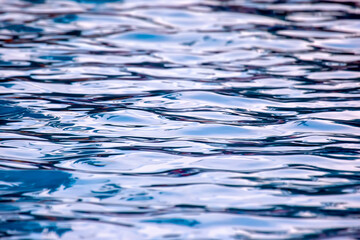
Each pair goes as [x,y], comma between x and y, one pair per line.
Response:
[187,119]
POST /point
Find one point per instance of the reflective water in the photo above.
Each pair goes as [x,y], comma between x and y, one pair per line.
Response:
[187,119]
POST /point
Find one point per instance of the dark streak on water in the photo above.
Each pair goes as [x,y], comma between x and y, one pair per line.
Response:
[187,119]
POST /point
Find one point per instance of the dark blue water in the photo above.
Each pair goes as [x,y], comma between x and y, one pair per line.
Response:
[186,119]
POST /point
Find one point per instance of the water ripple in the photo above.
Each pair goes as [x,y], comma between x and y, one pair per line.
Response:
[179,120]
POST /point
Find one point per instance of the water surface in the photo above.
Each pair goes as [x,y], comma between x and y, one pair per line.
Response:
[187,119]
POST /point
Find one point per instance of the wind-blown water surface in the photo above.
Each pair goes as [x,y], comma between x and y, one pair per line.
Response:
[187,119]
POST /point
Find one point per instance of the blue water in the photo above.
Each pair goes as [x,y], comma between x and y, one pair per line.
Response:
[187,119]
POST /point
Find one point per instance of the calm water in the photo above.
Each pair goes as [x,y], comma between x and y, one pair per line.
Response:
[186,119]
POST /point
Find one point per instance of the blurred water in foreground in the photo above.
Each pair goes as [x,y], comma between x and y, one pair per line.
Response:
[186,119]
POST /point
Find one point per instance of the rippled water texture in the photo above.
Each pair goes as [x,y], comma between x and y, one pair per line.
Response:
[186,119]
